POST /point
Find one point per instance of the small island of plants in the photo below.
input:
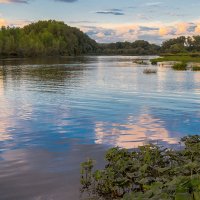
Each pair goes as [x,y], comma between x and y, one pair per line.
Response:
[150,172]
[180,66]
[150,71]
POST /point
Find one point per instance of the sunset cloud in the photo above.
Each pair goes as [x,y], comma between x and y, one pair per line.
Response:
[197,29]
[154,32]
[14,23]
[3,22]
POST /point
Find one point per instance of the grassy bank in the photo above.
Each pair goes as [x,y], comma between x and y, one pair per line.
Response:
[185,58]
[151,172]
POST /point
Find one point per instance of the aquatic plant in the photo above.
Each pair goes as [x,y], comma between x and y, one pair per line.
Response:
[180,66]
[150,71]
[150,172]
[140,62]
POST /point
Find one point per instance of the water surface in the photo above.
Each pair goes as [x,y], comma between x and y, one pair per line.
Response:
[56,112]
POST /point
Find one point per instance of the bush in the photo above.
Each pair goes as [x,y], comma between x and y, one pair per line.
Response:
[151,172]
[180,66]
[196,68]
[154,61]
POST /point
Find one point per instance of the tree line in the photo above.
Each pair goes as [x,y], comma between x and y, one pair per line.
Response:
[47,38]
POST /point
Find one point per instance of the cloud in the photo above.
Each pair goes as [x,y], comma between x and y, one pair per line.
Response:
[3,22]
[167,30]
[197,29]
[119,32]
[111,12]
[146,28]
[178,29]
[154,32]
[154,4]
[15,23]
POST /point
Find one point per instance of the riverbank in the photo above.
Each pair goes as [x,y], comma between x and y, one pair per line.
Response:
[186,58]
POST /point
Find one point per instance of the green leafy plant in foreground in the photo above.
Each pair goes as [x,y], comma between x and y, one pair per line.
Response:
[151,172]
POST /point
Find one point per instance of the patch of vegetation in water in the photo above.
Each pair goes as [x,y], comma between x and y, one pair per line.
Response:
[140,62]
[196,68]
[180,66]
[150,71]
[151,172]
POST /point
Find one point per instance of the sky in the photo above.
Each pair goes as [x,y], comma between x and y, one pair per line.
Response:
[110,20]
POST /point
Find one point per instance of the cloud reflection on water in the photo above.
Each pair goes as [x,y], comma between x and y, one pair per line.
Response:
[3,120]
[134,133]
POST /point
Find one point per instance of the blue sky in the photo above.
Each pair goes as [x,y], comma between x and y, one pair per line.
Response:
[110,20]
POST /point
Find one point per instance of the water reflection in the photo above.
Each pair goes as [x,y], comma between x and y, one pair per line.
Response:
[54,112]
[136,132]
[4,117]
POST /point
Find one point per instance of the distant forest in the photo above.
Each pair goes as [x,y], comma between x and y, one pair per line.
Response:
[48,38]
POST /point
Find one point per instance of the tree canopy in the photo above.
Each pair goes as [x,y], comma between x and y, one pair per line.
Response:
[44,38]
[139,47]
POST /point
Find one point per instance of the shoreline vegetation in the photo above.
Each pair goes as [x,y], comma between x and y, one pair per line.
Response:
[150,172]
[180,62]
[55,38]
[185,58]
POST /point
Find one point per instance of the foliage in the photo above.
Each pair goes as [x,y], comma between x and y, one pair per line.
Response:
[179,58]
[44,38]
[151,172]
[181,44]
[138,47]
[180,66]
[196,68]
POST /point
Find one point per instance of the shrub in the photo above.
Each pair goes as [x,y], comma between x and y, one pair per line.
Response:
[154,61]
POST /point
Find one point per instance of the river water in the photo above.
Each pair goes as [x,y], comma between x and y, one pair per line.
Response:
[54,113]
